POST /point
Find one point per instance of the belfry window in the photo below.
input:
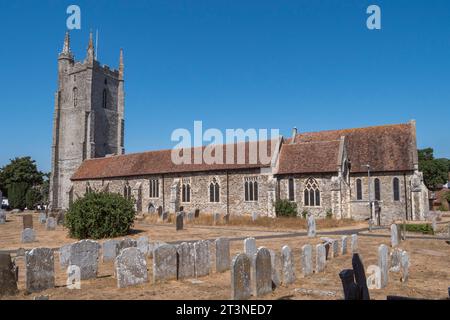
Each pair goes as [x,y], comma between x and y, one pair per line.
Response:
[214,191]
[312,193]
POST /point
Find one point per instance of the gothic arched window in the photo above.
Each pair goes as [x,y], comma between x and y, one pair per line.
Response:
[396,188]
[88,188]
[104,102]
[358,189]
[251,189]
[291,188]
[377,189]
[127,191]
[312,193]
[186,191]
[75,96]
[214,191]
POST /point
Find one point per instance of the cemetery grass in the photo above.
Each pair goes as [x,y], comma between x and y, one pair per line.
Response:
[429,271]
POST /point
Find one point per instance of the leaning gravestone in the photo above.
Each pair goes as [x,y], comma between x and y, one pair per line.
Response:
[8,280]
[396,256]
[383,253]
[131,268]
[405,266]
[84,254]
[28,235]
[261,277]
[311,226]
[42,217]
[240,277]
[40,269]
[306,257]
[27,221]
[109,250]
[179,221]
[276,268]
[287,264]
[142,245]
[222,254]
[124,244]
[2,216]
[186,261]
[202,258]
[50,224]
[395,236]
[354,243]
[344,245]
[321,257]
[64,256]
[164,263]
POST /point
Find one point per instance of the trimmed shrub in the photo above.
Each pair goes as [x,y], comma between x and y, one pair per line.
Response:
[17,194]
[100,215]
[424,228]
[285,208]
[32,198]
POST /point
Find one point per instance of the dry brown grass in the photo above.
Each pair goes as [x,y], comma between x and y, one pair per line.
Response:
[289,223]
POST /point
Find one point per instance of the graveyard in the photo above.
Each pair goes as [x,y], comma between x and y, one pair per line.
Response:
[157,261]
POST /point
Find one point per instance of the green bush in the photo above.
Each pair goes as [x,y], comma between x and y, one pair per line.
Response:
[33,198]
[100,215]
[424,228]
[17,194]
[285,208]
[304,214]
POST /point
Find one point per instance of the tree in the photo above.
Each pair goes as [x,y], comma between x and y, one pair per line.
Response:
[16,195]
[33,198]
[435,171]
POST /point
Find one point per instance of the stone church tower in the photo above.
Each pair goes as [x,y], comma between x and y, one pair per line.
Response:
[88,119]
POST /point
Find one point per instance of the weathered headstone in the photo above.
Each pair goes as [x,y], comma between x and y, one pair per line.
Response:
[354,244]
[276,268]
[395,236]
[396,256]
[164,263]
[190,216]
[165,216]
[306,258]
[311,226]
[222,254]
[360,276]
[186,261]
[64,256]
[28,235]
[27,221]
[202,258]
[109,250]
[405,266]
[287,263]
[85,254]
[261,275]
[40,269]
[179,221]
[160,212]
[327,246]
[142,245]
[8,280]
[42,217]
[254,216]
[216,218]
[344,241]
[383,256]
[321,257]
[335,248]
[124,244]
[50,224]
[240,277]
[131,268]
[197,213]
[154,245]
[226,218]
[433,223]
[250,248]
[2,216]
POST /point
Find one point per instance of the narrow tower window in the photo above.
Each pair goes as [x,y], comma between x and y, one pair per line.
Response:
[104,98]
[75,96]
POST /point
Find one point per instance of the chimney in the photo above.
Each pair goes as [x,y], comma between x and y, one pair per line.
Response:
[294,134]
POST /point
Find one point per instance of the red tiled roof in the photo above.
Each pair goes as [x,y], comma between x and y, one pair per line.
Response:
[309,157]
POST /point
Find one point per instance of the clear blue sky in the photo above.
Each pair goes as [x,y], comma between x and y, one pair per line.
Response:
[234,64]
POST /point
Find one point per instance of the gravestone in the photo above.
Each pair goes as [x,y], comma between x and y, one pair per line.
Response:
[124,244]
[396,256]
[84,254]
[433,224]
[354,243]
[383,256]
[306,258]
[321,257]
[395,236]
[142,245]
[254,216]
[202,258]
[276,268]
[222,254]
[327,246]
[335,248]
[360,276]
[154,245]
[2,216]
[179,221]
[165,216]
[8,279]
[131,268]
[60,217]
[40,269]
[261,275]
[160,212]
[344,241]
[186,261]
[216,218]
[240,277]
[42,217]
[287,265]
[64,256]
[226,218]
[27,221]
[109,250]
[190,216]
[50,224]
[164,263]
[311,226]
[197,213]
[28,235]
[405,266]
[250,248]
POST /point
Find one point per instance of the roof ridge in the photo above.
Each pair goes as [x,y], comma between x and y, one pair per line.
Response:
[357,128]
